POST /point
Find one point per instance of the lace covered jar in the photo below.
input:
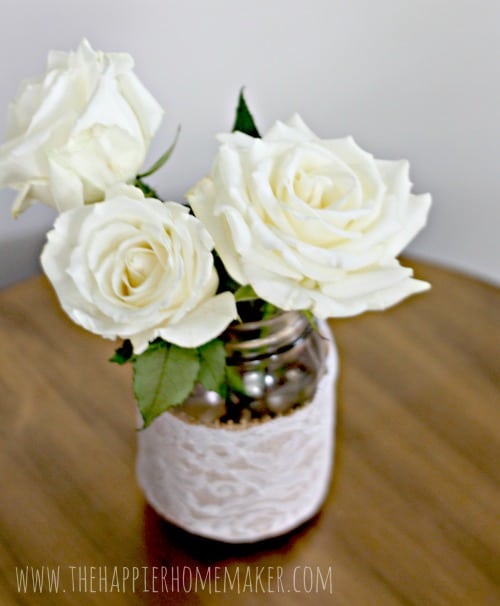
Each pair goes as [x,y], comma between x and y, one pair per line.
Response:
[259,463]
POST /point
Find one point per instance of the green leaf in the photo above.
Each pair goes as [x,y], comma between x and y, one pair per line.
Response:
[225,280]
[234,380]
[164,376]
[148,191]
[162,159]
[244,121]
[245,293]
[268,310]
[212,365]
[310,318]
[123,354]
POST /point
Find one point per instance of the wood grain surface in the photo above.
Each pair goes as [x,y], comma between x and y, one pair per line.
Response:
[412,514]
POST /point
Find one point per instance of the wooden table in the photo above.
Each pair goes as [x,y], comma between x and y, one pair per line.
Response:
[411,517]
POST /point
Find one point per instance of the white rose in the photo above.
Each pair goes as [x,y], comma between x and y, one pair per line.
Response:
[138,269]
[310,223]
[81,127]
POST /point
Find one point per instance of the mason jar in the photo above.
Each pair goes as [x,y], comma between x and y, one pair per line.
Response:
[274,366]
[257,463]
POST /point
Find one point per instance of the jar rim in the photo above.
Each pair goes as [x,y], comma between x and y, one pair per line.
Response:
[270,335]
[256,324]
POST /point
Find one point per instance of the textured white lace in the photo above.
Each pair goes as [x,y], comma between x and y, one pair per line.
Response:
[243,484]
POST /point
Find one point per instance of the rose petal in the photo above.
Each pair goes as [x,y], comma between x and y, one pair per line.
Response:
[204,323]
[86,119]
[202,200]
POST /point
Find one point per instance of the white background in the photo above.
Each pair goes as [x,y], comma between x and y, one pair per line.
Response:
[407,78]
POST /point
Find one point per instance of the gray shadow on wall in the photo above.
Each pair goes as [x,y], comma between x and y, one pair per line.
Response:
[21,239]
[20,258]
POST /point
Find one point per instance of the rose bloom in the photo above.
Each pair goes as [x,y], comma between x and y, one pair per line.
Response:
[138,269]
[82,126]
[310,223]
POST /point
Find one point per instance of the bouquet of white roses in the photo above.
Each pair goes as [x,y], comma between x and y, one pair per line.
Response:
[286,221]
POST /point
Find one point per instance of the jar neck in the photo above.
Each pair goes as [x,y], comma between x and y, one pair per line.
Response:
[250,340]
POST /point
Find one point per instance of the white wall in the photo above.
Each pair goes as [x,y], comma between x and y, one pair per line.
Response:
[408,78]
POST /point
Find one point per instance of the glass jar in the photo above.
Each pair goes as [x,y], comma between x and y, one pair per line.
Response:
[273,367]
[256,464]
